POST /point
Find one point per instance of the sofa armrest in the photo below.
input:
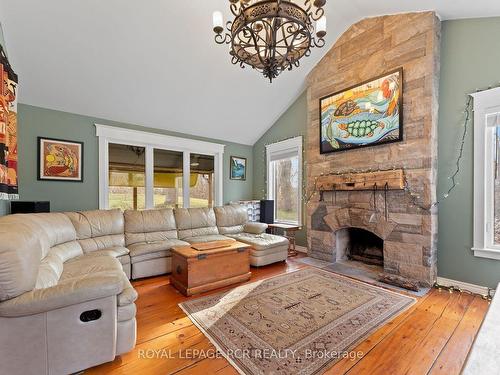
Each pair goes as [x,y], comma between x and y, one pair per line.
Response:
[68,292]
[255,228]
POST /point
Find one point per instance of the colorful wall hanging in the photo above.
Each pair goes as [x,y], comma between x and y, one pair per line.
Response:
[8,129]
[368,114]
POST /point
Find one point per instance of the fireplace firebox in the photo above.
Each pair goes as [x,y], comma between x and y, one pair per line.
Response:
[358,244]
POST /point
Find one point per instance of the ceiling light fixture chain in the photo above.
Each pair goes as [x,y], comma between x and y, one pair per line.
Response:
[271,35]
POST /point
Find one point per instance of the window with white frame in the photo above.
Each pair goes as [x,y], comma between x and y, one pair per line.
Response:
[487,174]
[284,179]
[141,170]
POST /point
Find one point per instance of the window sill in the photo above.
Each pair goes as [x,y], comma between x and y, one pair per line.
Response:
[288,223]
[489,253]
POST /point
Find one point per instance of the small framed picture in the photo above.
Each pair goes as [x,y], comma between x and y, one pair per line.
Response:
[60,160]
[238,168]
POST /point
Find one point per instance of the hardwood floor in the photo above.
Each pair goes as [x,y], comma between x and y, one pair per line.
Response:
[432,337]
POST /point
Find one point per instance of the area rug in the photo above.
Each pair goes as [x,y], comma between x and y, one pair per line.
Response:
[297,323]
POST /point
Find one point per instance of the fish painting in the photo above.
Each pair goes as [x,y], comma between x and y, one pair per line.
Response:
[367,114]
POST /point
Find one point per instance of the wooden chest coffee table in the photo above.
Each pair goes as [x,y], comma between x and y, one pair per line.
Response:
[206,266]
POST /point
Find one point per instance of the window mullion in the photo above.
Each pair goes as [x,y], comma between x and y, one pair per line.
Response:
[149,183]
[186,178]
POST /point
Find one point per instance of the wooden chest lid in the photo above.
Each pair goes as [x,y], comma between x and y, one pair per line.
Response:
[214,247]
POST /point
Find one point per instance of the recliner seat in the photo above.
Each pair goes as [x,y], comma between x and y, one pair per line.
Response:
[61,311]
[101,232]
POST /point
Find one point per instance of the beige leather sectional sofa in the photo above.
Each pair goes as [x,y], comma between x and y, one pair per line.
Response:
[66,302]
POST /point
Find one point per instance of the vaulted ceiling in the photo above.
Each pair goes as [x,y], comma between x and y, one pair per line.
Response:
[154,63]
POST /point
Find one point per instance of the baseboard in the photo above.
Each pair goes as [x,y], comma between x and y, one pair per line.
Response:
[301,249]
[483,290]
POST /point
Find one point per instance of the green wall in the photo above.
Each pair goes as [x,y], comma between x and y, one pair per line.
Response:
[291,124]
[68,196]
[470,56]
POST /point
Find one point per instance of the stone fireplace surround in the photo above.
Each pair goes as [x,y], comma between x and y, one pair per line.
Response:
[367,49]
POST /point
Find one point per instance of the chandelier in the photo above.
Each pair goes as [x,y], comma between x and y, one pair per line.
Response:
[271,35]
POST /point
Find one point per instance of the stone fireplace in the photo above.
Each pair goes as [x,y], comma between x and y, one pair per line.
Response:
[392,228]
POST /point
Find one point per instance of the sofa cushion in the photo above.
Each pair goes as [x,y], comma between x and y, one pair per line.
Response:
[99,229]
[149,256]
[258,261]
[270,251]
[149,226]
[25,241]
[96,264]
[230,219]
[139,249]
[49,272]
[193,222]
[115,252]
[260,241]
[20,257]
[90,263]
[124,260]
[255,228]
[128,294]
[126,312]
[67,251]
[207,238]
[56,226]
[71,291]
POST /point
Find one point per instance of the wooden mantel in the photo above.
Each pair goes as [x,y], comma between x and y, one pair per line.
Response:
[377,180]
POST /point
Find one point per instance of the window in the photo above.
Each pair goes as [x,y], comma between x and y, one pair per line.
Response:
[140,170]
[126,177]
[487,174]
[201,193]
[284,186]
[168,176]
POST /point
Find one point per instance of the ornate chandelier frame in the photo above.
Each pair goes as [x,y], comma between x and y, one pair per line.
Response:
[272,35]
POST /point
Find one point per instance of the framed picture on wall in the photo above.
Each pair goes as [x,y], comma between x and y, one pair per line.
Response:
[367,114]
[238,168]
[60,160]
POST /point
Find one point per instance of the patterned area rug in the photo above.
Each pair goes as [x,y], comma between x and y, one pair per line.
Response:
[297,323]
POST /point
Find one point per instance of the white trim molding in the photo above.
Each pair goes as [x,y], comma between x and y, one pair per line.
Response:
[486,118]
[150,141]
[281,150]
[161,140]
[478,289]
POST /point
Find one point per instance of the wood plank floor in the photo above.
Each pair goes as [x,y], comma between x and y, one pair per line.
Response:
[432,337]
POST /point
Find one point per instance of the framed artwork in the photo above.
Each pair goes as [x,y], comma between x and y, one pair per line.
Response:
[238,168]
[367,114]
[60,160]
